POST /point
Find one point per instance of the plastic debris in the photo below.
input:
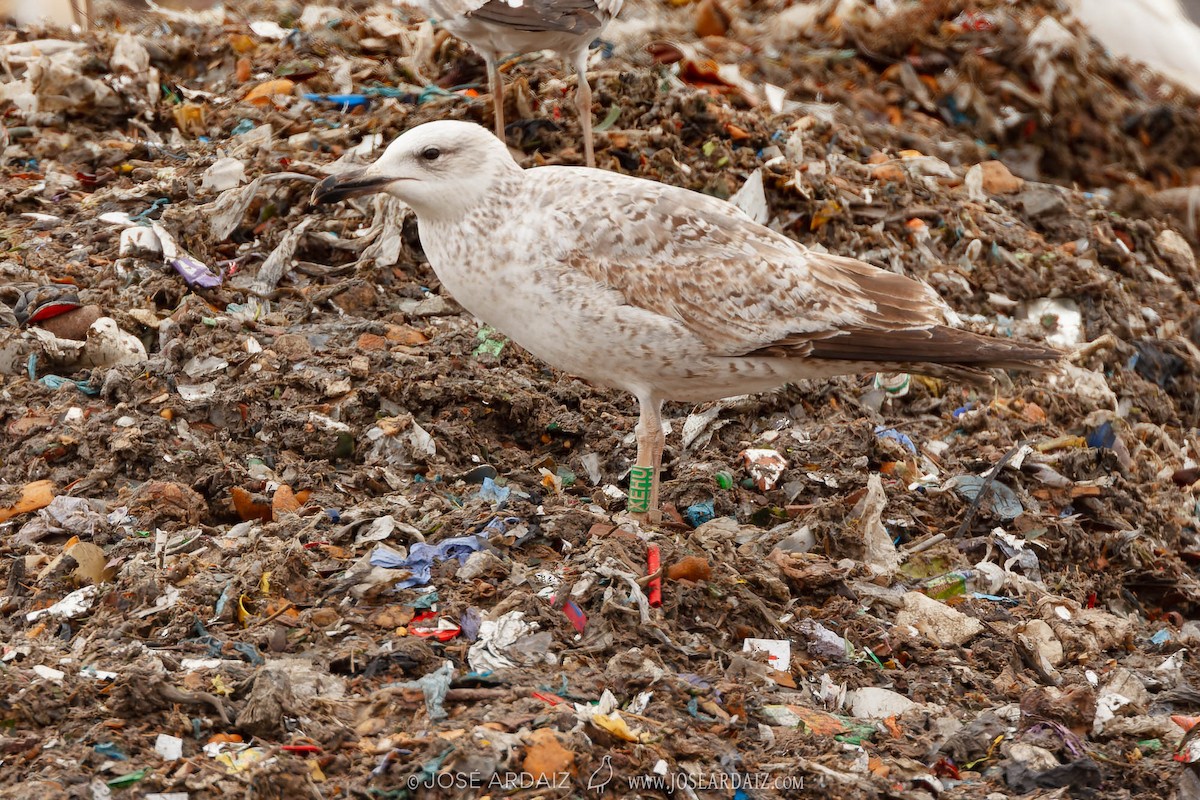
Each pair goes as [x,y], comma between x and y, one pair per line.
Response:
[699,513]
[73,605]
[752,199]
[872,702]
[223,175]
[999,497]
[505,642]
[653,568]
[421,558]
[779,651]
[937,621]
[169,747]
[765,467]
[894,435]
[1060,316]
[435,685]
[893,384]
[194,272]
[880,553]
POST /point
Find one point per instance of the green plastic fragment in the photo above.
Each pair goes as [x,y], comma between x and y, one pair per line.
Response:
[491,342]
[856,733]
[870,654]
[609,120]
[125,781]
[640,480]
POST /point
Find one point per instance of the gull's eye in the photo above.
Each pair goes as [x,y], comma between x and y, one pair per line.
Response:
[431,154]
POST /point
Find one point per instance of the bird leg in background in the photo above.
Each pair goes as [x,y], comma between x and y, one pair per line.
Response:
[496,87]
[643,478]
[583,101]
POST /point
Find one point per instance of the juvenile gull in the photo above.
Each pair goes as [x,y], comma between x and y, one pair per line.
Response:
[497,27]
[663,292]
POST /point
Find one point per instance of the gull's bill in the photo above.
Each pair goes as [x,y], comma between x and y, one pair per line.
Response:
[354,183]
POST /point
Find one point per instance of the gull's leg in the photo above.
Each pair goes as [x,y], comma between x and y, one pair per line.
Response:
[496,88]
[643,479]
[583,101]
[659,442]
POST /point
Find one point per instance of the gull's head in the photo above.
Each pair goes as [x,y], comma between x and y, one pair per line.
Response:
[439,169]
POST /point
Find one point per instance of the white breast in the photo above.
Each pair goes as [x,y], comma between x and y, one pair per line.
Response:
[565,320]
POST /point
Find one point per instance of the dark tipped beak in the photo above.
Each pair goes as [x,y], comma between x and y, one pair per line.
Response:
[348,184]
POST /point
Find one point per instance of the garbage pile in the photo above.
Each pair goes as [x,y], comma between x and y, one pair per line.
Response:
[278,519]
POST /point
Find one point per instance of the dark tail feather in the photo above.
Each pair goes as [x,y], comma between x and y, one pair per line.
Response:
[941,345]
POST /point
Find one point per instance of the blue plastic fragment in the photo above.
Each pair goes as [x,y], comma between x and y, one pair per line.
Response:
[57,381]
[995,598]
[421,557]
[425,601]
[155,206]
[498,526]
[884,432]
[1004,500]
[110,750]
[489,492]
[700,513]
[1161,637]
[250,652]
[1103,437]
[431,91]
[693,707]
[344,101]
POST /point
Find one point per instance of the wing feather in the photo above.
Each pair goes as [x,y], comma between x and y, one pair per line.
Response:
[744,289]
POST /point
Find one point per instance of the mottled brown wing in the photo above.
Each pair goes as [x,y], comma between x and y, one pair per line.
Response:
[887,332]
[745,289]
